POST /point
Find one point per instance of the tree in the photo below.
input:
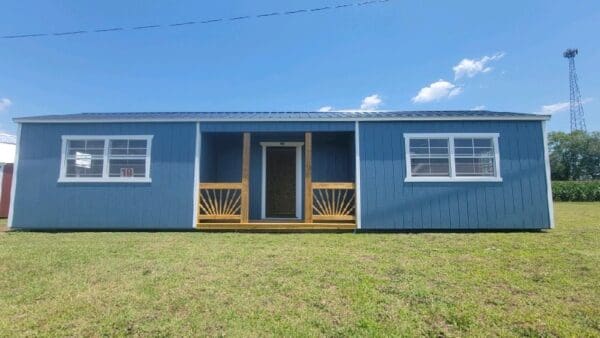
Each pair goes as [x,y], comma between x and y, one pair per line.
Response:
[574,156]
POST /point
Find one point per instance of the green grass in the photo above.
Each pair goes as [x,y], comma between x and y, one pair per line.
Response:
[455,284]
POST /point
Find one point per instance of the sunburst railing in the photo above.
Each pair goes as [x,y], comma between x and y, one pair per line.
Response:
[220,201]
[333,201]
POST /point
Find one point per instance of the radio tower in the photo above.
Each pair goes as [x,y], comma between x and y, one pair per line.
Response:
[576,107]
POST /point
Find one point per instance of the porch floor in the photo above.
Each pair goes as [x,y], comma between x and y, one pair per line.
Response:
[276,225]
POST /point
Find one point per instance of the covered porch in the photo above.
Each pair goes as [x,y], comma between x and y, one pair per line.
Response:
[276,180]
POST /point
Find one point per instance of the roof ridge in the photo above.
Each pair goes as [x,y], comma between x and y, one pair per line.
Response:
[282,116]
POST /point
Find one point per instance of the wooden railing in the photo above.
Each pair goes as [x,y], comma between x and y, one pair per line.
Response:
[227,201]
[220,201]
[333,201]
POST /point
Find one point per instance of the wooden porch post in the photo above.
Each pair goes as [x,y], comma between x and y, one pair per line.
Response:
[308,192]
[245,179]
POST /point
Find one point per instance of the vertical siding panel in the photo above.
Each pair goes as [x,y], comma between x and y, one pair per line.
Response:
[369,172]
[536,182]
[515,178]
[507,177]
[434,206]
[454,209]
[524,177]
[444,209]
[398,177]
[381,183]
[482,207]
[541,166]
[390,198]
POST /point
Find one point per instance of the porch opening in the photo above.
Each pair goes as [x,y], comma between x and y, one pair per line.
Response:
[275,180]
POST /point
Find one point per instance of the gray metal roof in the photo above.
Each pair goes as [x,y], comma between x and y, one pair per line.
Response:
[281,116]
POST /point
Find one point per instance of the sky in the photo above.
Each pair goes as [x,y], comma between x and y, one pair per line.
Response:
[395,55]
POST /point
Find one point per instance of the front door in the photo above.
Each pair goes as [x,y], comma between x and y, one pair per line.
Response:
[280,182]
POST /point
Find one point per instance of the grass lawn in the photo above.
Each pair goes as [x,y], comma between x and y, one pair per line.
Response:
[509,284]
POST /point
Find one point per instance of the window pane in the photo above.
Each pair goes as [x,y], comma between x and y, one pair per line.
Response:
[440,167]
[430,157]
[127,168]
[417,142]
[463,142]
[137,143]
[436,142]
[118,143]
[485,152]
[439,151]
[77,143]
[94,170]
[96,144]
[482,142]
[128,147]
[420,167]
[430,167]
[419,151]
[463,151]
[91,147]
[474,157]
[475,167]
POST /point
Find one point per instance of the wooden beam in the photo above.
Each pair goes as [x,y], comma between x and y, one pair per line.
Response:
[221,185]
[334,217]
[333,185]
[245,179]
[276,226]
[308,189]
[218,217]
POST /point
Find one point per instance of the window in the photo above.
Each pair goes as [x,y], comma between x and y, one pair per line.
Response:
[474,157]
[452,157]
[429,157]
[106,159]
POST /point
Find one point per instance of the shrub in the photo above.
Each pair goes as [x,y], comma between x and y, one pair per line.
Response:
[581,191]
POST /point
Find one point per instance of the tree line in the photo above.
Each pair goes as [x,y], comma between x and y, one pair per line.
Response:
[574,156]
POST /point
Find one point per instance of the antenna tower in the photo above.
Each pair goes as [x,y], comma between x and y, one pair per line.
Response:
[576,107]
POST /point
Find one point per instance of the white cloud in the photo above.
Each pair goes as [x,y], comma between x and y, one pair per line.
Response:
[559,107]
[438,90]
[5,103]
[555,108]
[480,107]
[472,67]
[371,102]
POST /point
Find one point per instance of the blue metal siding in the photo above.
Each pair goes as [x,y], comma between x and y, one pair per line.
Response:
[519,202]
[221,157]
[275,126]
[333,157]
[166,203]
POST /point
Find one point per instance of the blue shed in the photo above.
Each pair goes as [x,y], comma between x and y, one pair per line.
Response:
[415,170]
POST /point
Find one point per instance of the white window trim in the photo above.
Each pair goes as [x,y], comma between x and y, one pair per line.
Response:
[263,193]
[105,178]
[452,177]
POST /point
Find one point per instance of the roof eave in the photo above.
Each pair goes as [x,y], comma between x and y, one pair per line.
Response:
[364,119]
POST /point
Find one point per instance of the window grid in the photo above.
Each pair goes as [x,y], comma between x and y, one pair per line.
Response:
[132,152]
[84,151]
[436,156]
[127,153]
[481,149]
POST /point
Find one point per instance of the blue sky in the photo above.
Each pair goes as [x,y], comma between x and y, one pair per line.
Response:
[399,55]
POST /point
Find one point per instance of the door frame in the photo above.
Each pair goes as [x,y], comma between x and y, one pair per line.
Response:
[263,193]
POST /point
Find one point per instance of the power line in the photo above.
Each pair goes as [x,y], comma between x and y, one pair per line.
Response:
[188,23]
